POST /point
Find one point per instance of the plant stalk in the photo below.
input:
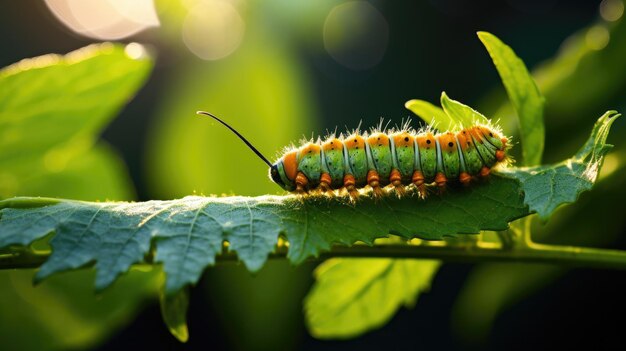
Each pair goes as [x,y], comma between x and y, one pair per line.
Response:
[476,253]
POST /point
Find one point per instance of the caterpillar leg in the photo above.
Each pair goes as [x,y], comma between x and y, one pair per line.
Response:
[418,181]
[325,182]
[301,183]
[465,178]
[500,155]
[350,184]
[441,180]
[374,181]
[484,172]
[395,178]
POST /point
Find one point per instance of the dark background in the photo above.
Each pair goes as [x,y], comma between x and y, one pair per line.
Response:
[583,306]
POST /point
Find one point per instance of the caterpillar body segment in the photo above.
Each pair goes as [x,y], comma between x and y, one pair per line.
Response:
[396,159]
[356,158]
[427,149]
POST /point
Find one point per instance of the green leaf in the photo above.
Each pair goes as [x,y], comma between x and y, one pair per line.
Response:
[431,114]
[174,312]
[98,173]
[318,223]
[189,232]
[52,109]
[462,114]
[352,296]
[524,95]
[547,187]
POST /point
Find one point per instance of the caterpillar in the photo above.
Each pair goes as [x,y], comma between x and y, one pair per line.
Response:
[398,158]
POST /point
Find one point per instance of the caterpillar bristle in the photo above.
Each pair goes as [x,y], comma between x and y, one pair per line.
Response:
[378,192]
[353,193]
[422,191]
[400,190]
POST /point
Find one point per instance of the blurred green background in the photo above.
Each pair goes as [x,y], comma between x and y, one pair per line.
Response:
[279,70]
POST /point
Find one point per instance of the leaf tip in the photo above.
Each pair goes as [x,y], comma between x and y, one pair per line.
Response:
[174,312]
[181,333]
[484,35]
[444,99]
[410,104]
[487,38]
[38,278]
[100,286]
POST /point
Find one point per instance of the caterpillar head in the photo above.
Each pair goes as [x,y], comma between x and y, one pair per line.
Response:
[283,172]
[493,137]
[497,140]
[279,176]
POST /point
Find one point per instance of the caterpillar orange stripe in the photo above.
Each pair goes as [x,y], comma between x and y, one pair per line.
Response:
[400,159]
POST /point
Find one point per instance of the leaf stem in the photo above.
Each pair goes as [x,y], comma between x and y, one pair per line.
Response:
[533,253]
[28,202]
[480,252]
[22,259]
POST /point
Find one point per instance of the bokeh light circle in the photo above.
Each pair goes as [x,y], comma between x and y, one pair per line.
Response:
[597,37]
[105,19]
[611,10]
[213,29]
[356,35]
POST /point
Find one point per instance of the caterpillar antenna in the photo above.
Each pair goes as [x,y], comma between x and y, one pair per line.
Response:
[257,152]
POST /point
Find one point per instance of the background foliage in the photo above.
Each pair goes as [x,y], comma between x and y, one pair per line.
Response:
[294,88]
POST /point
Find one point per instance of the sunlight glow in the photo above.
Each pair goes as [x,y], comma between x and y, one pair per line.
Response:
[105,19]
[213,29]
[135,51]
